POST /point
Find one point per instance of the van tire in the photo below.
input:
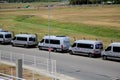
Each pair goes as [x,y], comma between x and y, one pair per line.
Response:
[104,57]
[55,50]
[25,46]
[40,48]
[71,52]
[90,55]
[12,44]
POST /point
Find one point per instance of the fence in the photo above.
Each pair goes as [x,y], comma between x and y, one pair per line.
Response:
[48,65]
[8,77]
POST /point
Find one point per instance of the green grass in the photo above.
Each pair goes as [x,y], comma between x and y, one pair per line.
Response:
[30,23]
[33,21]
[69,27]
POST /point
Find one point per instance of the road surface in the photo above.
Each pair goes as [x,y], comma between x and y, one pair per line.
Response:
[80,67]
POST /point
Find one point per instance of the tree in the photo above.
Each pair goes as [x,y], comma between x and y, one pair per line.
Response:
[77,2]
[74,2]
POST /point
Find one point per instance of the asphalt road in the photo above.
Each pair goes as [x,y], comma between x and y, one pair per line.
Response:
[80,67]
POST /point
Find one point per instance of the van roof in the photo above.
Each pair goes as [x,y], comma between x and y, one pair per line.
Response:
[88,41]
[5,32]
[25,35]
[115,44]
[55,37]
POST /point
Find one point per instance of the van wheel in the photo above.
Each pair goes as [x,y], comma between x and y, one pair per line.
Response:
[71,52]
[40,48]
[55,50]
[104,57]
[12,44]
[25,46]
[90,55]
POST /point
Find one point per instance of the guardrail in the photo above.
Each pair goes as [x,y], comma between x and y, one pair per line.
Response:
[32,61]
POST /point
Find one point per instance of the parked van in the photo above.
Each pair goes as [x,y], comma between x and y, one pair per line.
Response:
[5,37]
[86,47]
[24,40]
[56,43]
[113,50]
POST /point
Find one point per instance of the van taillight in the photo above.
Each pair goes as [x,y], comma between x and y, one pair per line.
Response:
[94,52]
[62,46]
[3,39]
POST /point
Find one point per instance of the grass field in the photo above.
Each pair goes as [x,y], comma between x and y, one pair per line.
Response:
[93,22]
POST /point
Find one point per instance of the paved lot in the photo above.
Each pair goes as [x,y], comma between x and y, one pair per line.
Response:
[80,67]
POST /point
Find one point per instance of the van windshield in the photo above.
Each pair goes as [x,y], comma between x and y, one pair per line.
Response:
[8,36]
[42,41]
[1,36]
[74,45]
[108,48]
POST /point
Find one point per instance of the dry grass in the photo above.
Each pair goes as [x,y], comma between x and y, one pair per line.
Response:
[27,74]
[105,16]
[96,16]
[102,15]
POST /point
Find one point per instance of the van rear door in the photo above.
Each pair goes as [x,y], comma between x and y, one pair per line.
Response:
[66,44]
[8,37]
[1,37]
[98,48]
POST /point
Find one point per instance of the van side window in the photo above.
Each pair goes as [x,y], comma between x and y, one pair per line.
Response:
[22,38]
[108,49]
[74,45]
[46,41]
[52,41]
[1,36]
[55,42]
[89,46]
[116,49]
[8,36]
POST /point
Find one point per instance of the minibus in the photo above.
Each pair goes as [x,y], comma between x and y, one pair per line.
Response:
[5,37]
[25,40]
[86,47]
[56,43]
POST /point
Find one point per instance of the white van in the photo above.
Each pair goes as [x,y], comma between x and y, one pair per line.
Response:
[24,40]
[113,50]
[86,47]
[5,37]
[56,43]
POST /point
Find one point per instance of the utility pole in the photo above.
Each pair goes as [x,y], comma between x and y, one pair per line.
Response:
[49,37]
